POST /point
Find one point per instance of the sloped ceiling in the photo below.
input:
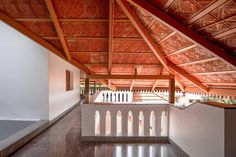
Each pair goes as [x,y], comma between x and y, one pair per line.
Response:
[85,27]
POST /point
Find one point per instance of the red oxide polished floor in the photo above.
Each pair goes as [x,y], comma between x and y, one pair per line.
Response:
[63,140]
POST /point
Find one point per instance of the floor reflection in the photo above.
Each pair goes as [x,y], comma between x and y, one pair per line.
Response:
[135,150]
[63,140]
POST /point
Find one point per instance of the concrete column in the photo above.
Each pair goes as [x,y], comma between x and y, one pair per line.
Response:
[172,91]
[86,91]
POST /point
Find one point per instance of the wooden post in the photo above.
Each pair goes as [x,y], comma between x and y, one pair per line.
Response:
[94,87]
[172,91]
[86,91]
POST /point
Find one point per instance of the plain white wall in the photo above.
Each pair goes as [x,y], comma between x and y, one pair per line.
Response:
[60,99]
[198,130]
[23,76]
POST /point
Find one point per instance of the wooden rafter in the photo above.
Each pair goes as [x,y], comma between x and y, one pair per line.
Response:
[131,77]
[180,84]
[58,28]
[69,20]
[105,83]
[127,64]
[130,13]
[131,85]
[10,21]
[214,91]
[206,11]
[154,85]
[92,38]
[188,33]
[111,25]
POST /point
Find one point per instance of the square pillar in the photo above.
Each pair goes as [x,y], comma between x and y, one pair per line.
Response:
[172,91]
[86,91]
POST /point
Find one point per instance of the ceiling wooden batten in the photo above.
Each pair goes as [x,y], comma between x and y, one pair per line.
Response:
[58,28]
[88,38]
[187,32]
[136,77]
[130,12]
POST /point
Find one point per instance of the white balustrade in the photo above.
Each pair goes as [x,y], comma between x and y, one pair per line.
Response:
[114,97]
[124,120]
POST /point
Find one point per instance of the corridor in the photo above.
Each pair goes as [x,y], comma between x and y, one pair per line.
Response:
[63,140]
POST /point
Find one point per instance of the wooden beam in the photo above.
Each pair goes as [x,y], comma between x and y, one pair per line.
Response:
[154,86]
[132,85]
[87,91]
[96,20]
[214,91]
[187,32]
[145,88]
[188,77]
[180,84]
[131,14]
[206,11]
[105,83]
[93,38]
[111,25]
[172,91]
[127,64]
[58,28]
[19,27]
[131,77]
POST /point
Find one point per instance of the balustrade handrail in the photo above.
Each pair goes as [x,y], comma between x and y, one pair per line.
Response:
[153,123]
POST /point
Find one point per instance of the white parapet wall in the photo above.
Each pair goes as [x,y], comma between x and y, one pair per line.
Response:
[124,120]
[198,130]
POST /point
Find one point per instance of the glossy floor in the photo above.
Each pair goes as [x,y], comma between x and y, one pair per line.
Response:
[63,140]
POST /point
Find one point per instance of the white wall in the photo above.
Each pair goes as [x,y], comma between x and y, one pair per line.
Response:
[198,130]
[60,99]
[23,77]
